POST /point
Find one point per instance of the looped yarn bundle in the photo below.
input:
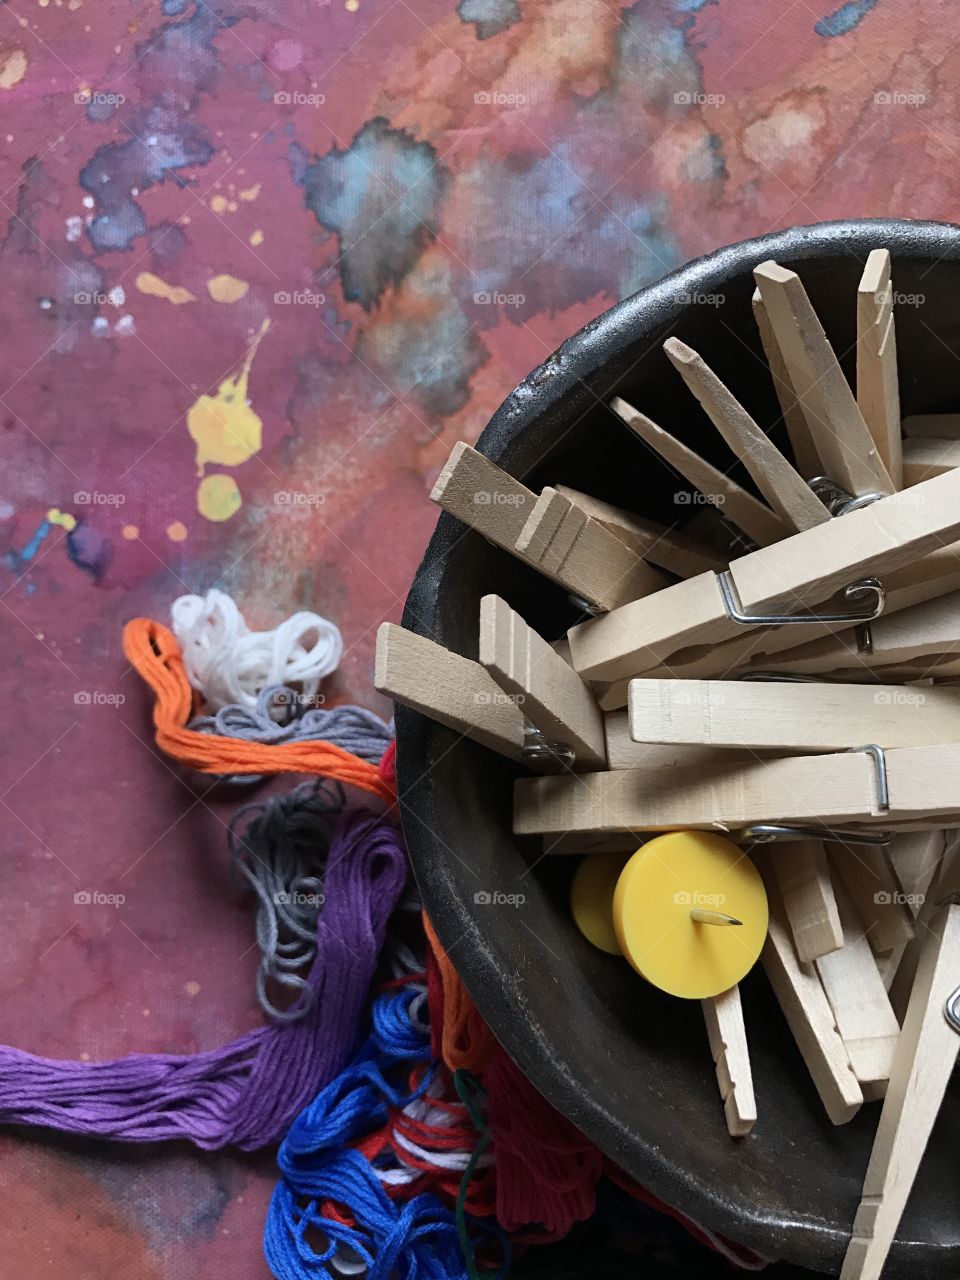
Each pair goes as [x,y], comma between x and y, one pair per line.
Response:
[281,715]
[229,663]
[247,1092]
[339,1191]
[278,848]
[153,650]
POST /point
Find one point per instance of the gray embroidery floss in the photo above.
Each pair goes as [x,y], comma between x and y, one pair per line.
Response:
[278,849]
[282,715]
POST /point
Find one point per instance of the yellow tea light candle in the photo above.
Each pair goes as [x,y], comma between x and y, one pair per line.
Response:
[663,889]
[591,898]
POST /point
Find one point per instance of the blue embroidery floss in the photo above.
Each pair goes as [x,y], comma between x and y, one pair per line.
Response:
[330,1205]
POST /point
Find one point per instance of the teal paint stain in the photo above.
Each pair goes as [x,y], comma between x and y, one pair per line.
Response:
[17,559]
[845,18]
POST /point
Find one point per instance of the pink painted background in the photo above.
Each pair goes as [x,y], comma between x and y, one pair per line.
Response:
[423,202]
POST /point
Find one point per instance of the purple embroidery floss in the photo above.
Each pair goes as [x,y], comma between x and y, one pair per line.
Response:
[247,1092]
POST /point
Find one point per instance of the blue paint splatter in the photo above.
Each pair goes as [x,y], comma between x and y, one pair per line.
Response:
[489,17]
[844,19]
[17,560]
[387,180]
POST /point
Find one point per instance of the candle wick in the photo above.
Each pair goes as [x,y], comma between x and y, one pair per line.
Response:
[712,917]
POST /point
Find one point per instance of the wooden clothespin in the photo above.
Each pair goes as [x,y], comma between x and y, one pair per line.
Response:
[727,1035]
[801,441]
[545,532]
[808,716]
[624,753]
[550,693]
[784,489]
[932,426]
[925,458]
[912,787]
[802,874]
[453,690]
[750,515]
[861,1007]
[566,544]
[895,638]
[799,991]
[841,437]
[666,548]
[792,575]
[922,1065]
[875,894]
[878,393]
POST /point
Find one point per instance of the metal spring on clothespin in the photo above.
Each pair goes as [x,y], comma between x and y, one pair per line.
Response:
[545,756]
[770,832]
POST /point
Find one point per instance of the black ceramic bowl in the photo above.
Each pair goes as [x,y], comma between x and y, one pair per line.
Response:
[629,1065]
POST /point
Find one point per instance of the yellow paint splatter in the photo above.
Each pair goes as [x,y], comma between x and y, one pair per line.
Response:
[251,193]
[13,67]
[219,204]
[218,498]
[130,532]
[257,238]
[192,988]
[63,518]
[152,285]
[227,288]
[224,427]
[177,531]
[352,6]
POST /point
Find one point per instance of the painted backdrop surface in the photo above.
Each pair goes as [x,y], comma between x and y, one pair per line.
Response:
[262,262]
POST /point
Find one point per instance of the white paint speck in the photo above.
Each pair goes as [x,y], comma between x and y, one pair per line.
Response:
[74,229]
[100,327]
[88,202]
[125,328]
[116,297]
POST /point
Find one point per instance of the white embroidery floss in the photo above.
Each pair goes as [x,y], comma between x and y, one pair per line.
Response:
[230,664]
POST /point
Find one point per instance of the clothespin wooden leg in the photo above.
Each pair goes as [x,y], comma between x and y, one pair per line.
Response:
[801,441]
[875,893]
[922,1066]
[549,691]
[808,1013]
[727,1034]
[449,688]
[878,394]
[803,874]
[860,1004]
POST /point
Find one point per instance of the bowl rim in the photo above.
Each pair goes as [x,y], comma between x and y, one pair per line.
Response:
[579,357]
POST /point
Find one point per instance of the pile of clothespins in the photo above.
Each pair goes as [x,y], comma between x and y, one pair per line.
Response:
[651,714]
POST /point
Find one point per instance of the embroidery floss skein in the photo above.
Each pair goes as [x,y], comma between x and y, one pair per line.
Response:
[153,650]
[278,848]
[228,663]
[247,1092]
[331,1198]
[281,715]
